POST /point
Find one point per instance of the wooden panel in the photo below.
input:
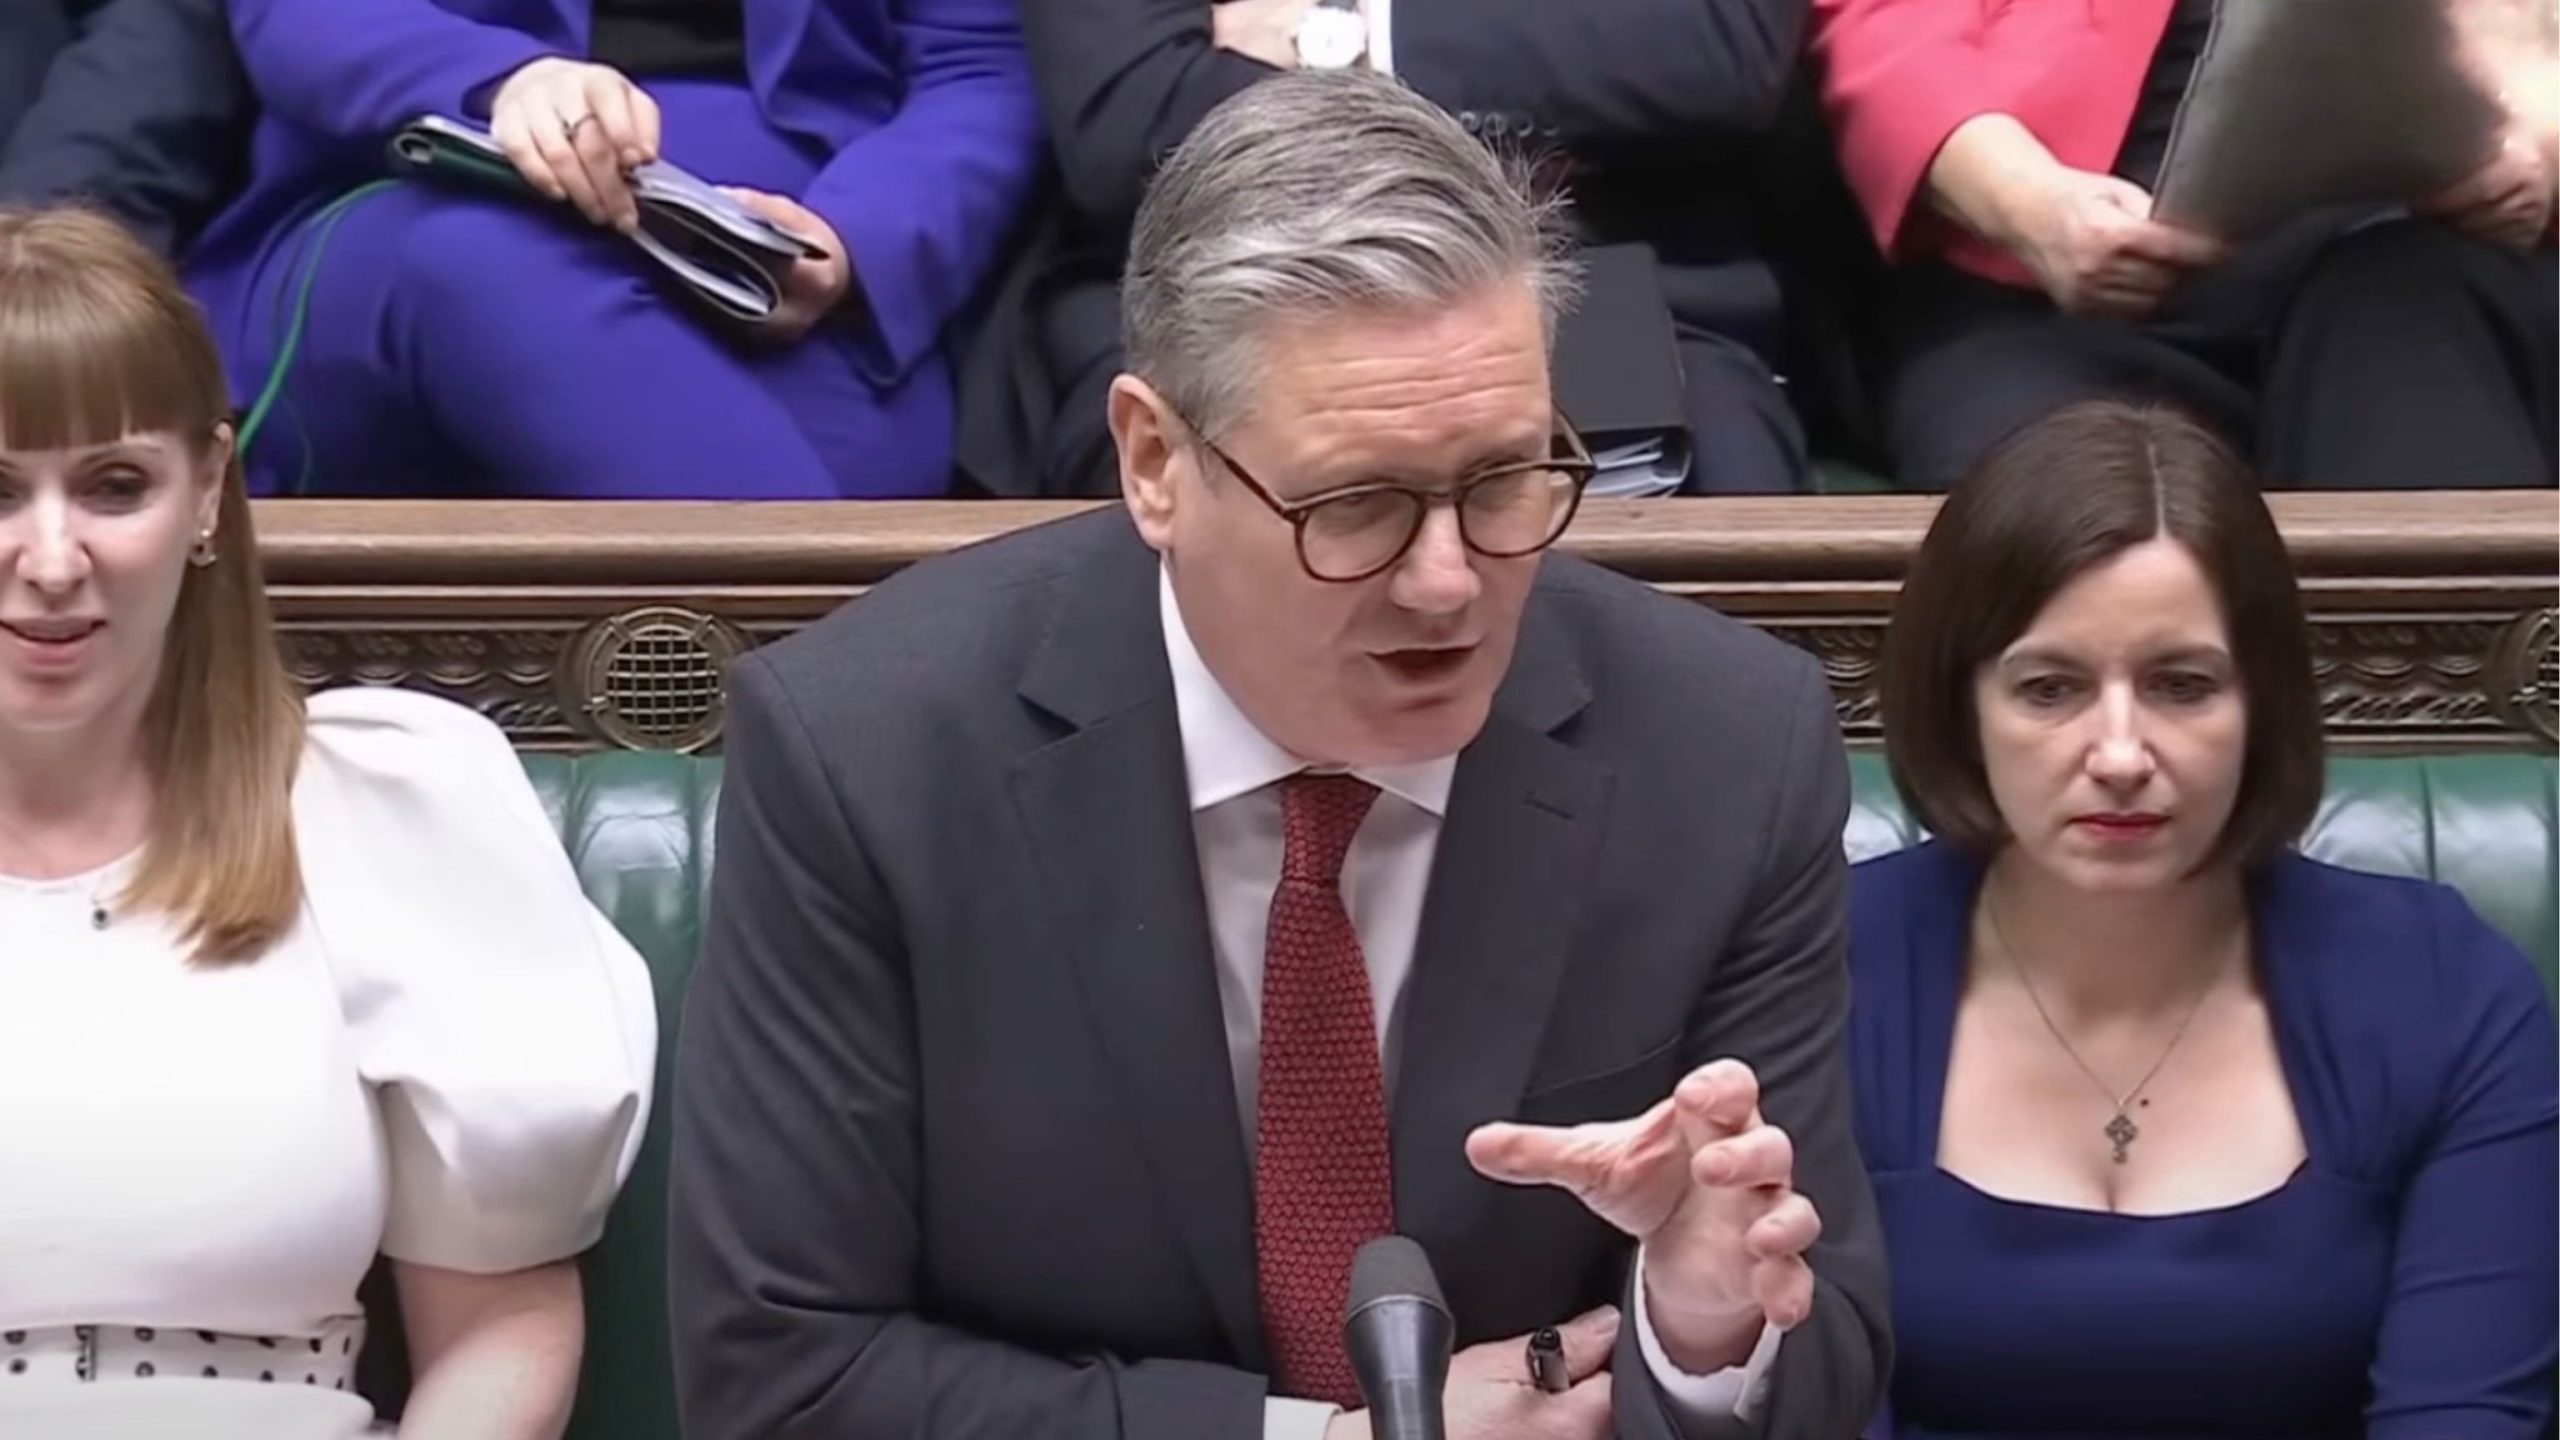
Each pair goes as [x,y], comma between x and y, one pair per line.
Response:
[571,622]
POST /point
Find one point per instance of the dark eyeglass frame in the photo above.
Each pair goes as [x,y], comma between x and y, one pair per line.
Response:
[1576,463]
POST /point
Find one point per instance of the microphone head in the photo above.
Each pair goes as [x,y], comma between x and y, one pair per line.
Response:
[1392,1267]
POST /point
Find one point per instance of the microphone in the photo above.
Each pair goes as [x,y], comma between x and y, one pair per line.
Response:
[1398,1331]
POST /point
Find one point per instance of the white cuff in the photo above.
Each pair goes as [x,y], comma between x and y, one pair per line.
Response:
[1296,1419]
[1382,35]
[1737,1391]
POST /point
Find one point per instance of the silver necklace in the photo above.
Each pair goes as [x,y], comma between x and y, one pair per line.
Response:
[100,917]
[2120,1130]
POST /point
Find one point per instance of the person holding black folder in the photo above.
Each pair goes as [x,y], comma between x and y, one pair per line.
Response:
[1650,114]
[2007,159]
[430,339]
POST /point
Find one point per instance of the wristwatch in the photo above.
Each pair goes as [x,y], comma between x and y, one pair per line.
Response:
[1332,36]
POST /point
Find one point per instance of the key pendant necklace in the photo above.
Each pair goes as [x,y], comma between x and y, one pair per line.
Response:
[2120,1130]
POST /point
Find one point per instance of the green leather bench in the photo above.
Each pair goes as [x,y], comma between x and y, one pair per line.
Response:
[639,828]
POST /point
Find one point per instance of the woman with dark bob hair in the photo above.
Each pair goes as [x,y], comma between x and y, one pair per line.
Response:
[2174,1131]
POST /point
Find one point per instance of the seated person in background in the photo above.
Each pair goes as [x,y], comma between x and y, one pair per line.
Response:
[1119,924]
[135,106]
[2005,157]
[286,986]
[460,341]
[2175,1131]
[1647,108]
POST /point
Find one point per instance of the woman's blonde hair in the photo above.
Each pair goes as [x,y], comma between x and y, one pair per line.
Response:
[97,341]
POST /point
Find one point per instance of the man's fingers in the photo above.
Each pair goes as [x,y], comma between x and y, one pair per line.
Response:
[1588,1340]
[1790,1228]
[1784,1291]
[1758,1157]
[1592,1405]
[1719,1098]
[1580,1158]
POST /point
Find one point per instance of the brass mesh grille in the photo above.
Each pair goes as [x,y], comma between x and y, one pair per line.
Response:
[652,679]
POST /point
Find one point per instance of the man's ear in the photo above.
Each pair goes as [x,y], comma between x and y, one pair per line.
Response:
[1152,456]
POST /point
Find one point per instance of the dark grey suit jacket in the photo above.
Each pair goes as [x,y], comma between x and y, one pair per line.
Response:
[957,1152]
[137,106]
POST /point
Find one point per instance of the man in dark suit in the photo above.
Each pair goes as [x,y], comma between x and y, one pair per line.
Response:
[135,106]
[1118,924]
[1652,112]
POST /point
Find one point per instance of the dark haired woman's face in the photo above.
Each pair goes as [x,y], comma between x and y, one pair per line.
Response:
[93,549]
[2114,730]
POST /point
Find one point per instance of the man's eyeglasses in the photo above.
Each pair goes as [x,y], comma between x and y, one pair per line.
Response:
[1504,512]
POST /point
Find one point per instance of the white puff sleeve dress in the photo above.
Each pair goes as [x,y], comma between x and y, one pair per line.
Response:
[446,1060]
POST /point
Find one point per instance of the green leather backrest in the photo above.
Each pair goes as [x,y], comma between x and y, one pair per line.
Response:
[639,829]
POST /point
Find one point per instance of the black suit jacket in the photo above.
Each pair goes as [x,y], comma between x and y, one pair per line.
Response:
[957,1151]
[1656,108]
[137,106]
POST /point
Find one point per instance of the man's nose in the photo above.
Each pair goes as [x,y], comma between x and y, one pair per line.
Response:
[1437,575]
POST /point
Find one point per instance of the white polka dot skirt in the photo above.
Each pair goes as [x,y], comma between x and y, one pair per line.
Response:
[99,1354]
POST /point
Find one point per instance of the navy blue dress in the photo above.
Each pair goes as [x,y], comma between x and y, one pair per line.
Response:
[2401,1284]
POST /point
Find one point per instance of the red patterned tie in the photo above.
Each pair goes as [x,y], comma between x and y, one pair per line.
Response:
[1321,1183]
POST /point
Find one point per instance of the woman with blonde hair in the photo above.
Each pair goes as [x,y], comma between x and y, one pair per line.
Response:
[284,986]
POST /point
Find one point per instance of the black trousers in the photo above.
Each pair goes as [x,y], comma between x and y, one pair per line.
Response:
[2393,356]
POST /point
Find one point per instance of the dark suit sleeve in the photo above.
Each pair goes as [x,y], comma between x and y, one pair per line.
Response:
[797,1193]
[1780,1004]
[1603,74]
[145,114]
[1121,83]
[2468,1338]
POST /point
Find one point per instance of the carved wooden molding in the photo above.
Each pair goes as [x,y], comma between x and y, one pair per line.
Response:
[577,624]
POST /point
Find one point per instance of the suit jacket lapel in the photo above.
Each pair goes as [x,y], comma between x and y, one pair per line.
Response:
[1107,813]
[1525,817]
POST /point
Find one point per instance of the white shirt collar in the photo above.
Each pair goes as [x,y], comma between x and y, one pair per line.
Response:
[1227,755]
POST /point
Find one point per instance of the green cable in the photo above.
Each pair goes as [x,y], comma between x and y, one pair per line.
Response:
[323,223]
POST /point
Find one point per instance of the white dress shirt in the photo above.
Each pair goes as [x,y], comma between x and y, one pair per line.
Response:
[1235,823]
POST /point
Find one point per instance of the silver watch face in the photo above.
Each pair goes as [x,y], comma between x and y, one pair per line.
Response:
[1330,39]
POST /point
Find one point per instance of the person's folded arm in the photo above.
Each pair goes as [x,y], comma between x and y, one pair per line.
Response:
[145,113]
[1602,74]
[356,70]
[1121,83]
[797,1190]
[926,203]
